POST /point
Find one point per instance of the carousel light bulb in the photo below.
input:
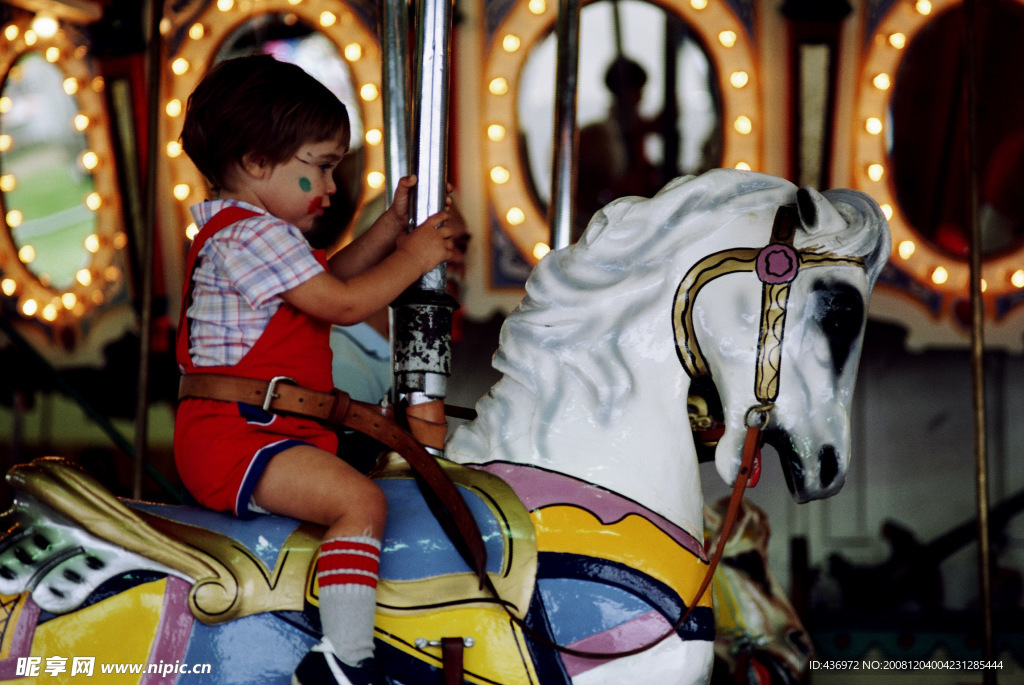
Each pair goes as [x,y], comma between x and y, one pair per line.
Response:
[45,26]
[898,40]
[738,79]
[538,7]
[873,125]
[742,166]
[515,216]
[112,273]
[70,85]
[498,86]
[353,52]
[923,7]
[906,249]
[120,240]
[541,249]
[14,218]
[699,4]
[29,307]
[8,183]
[69,300]
[875,172]
[9,286]
[97,297]
[52,54]
[374,136]
[191,230]
[93,201]
[882,81]
[196,31]
[90,160]
[225,5]
[31,37]
[743,125]
[294,2]
[940,275]
[328,19]
[98,84]
[375,179]
[173,149]
[11,32]
[984,285]
[887,210]
[173,107]
[5,142]
[496,133]
[369,92]
[92,243]
[80,122]
[500,174]
[5,104]
[727,38]
[27,254]
[1016,279]
[511,42]
[181,191]
[180,66]
[84,276]
[50,312]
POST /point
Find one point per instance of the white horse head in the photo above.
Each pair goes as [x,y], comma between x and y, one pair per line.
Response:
[593,385]
[779,329]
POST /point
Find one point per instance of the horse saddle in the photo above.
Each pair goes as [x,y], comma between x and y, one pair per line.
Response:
[68,534]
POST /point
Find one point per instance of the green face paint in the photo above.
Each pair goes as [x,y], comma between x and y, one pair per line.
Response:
[305,184]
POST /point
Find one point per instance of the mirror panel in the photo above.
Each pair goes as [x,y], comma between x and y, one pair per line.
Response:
[61,247]
[625,111]
[909,143]
[518,92]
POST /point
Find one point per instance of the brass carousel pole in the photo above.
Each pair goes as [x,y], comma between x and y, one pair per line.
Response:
[154,12]
[562,205]
[422,316]
[978,342]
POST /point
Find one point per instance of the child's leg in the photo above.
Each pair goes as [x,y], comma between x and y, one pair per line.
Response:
[309,484]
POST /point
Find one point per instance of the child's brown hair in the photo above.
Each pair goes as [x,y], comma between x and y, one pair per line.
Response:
[260,106]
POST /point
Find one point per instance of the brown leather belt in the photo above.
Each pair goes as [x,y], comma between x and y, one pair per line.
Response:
[281,396]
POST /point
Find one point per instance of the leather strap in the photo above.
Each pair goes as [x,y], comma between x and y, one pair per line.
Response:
[338,409]
[451,655]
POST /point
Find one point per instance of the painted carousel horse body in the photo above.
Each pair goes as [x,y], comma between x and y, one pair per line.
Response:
[580,470]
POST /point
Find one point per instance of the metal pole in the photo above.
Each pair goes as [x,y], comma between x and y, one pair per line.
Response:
[397,99]
[562,206]
[978,343]
[148,233]
[397,95]
[422,316]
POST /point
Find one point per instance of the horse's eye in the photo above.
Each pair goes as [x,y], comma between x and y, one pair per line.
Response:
[839,312]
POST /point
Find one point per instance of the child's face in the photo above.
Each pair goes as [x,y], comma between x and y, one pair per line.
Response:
[299,189]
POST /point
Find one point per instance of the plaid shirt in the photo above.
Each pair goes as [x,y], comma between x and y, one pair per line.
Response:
[239,276]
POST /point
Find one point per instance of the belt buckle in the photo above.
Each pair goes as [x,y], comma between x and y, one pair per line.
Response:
[271,387]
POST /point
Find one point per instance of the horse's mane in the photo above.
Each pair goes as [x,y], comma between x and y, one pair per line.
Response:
[596,289]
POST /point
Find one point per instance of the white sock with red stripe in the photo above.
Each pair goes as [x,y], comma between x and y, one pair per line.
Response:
[347,573]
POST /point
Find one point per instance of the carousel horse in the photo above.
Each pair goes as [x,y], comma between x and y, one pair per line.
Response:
[580,471]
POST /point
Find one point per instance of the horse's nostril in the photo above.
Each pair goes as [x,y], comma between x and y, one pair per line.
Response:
[829,465]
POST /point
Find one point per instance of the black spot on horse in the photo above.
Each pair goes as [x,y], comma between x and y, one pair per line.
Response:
[829,463]
[839,312]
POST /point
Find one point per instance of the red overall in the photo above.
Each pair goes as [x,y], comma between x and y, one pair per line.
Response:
[221,448]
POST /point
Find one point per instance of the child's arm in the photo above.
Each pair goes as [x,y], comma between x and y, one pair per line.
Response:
[378,241]
[346,301]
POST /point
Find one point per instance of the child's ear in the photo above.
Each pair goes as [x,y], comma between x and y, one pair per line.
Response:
[255,165]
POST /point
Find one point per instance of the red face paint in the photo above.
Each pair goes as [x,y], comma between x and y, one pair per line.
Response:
[314,205]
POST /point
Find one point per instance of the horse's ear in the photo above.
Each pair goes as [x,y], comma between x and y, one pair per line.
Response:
[814,210]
